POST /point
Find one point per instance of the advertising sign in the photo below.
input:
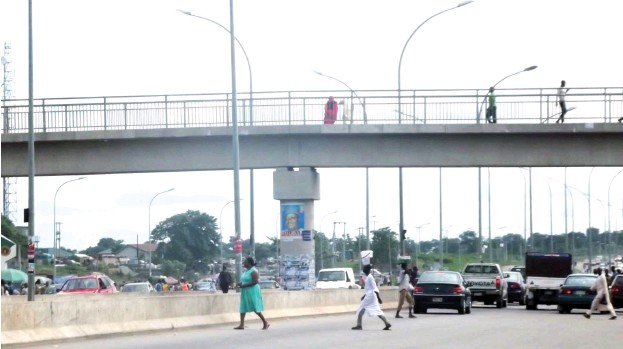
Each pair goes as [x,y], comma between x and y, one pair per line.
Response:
[296,260]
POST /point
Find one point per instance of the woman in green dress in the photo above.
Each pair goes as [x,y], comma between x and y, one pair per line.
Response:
[250,295]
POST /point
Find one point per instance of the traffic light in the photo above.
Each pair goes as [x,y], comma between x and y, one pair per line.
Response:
[403,235]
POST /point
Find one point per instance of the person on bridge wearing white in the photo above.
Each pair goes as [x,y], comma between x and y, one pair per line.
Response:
[371,301]
[561,101]
[601,286]
[404,288]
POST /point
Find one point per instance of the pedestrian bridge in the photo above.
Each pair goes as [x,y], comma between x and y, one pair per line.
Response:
[422,128]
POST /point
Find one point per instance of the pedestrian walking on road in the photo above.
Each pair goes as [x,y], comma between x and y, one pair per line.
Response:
[562,92]
[330,111]
[224,279]
[601,286]
[250,295]
[404,290]
[371,301]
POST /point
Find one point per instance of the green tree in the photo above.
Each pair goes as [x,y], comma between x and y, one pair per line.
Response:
[104,244]
[190,238]
[12,233]
[469,241]
[173,268]
[384,244]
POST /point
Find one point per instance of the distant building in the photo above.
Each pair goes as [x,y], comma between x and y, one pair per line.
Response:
[140,250]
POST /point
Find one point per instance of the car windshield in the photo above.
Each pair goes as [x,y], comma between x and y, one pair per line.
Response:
[332,276]
[135,288]
[444,278]
[203,284]
[583,280]
[513,277]
[481,269]
[80,284]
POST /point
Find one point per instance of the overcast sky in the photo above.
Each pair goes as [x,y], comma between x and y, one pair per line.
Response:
[121,47]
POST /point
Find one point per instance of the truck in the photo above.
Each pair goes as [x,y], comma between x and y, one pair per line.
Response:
[486,283]
[545,272]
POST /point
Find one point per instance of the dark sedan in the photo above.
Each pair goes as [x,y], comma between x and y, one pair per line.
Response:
[516,287]
[575,293]
[442,290]
[616,292]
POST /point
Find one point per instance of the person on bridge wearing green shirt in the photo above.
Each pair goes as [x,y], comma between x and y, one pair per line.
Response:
[491,109]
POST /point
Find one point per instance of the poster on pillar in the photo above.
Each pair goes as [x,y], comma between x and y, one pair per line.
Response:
[296,258]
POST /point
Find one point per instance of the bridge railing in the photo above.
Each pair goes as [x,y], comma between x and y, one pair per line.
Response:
[457,106]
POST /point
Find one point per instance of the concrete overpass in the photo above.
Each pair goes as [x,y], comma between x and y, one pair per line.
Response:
[193,149]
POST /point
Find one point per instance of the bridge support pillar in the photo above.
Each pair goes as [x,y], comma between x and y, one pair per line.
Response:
[296,191]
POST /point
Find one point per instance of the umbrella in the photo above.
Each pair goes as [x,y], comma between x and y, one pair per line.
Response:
[14,276]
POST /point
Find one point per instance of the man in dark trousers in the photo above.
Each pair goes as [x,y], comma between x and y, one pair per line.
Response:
[224,279]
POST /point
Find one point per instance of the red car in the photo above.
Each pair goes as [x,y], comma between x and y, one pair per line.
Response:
[89,284]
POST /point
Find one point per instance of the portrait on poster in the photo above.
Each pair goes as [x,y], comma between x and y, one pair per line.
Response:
[292,221]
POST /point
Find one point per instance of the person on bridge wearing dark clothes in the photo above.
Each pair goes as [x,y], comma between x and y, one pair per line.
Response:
[561,101]
[224,279]
[491,114]
[330,112]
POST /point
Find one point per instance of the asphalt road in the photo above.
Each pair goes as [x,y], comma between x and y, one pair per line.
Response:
[486,327]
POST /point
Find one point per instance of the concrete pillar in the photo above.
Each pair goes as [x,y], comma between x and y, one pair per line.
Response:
[296,191]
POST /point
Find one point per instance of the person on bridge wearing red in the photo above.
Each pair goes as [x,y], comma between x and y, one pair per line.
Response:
[330,111]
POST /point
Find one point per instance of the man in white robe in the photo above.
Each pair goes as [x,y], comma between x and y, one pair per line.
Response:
[371,301]
[601,286]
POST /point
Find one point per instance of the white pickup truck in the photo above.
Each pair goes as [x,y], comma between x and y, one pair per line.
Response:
[486,282]
[545,272]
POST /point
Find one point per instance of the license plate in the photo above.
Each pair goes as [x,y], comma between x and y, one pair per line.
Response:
[478,294]
[549,293]
[580,293]
[437,300]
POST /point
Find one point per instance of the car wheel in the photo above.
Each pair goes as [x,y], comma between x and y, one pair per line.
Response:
[469,308]
[561,310]
[505,303]
[462,307]
[521,301]
[499,303]
[531,305]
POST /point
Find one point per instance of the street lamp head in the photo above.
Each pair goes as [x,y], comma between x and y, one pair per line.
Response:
[530,68]
[188,13]
[464,3]
[170,190]
[319,73]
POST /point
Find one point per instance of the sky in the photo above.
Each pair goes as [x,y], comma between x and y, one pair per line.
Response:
[120,47]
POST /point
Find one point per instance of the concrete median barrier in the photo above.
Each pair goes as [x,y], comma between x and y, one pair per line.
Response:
[58,317]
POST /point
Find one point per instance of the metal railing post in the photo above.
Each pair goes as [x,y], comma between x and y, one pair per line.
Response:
[66,118]
[184,113]
[415,106]
[228,116]
[105,115]
[289,109]
[125,116]
[605,105]
[43,113]
[304,111]
[425,110]
[540,105]
[166,111]
[244,113]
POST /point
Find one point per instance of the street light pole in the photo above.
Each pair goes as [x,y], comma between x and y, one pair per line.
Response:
[489,215]
[417,250]
[405,46]
[497,83]
[440,221]
[551,224]
[609,226]
[31,154]
[235,120]
[588,231]
[56,247]
[149,227]
[220,226]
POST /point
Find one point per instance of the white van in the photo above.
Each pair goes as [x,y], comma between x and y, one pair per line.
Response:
[336,278]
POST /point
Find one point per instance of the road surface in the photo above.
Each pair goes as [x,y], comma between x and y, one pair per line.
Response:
[486,327]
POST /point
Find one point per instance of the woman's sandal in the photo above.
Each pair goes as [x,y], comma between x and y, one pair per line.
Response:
[239,328]
[266,326]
